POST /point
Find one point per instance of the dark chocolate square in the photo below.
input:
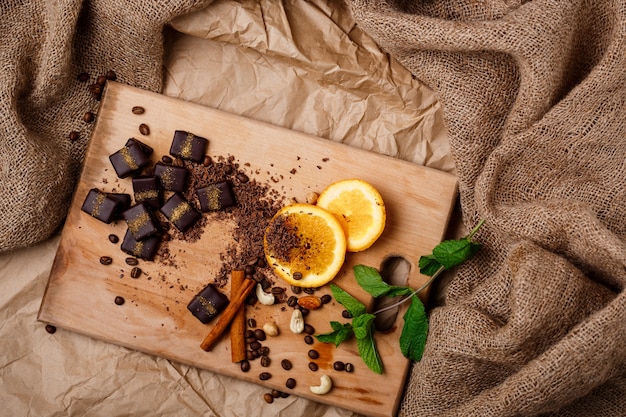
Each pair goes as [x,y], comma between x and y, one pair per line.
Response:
[144,249]
[180,213]
[207,304]
[124,202]
[140,221]
[172,178]
[186,145]
[146,149]
[216,196]
[129,160]
[100,205]
[146,190]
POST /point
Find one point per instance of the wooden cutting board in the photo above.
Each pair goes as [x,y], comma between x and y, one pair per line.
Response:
[154,319]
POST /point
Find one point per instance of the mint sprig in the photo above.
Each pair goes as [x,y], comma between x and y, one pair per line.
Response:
[446,255]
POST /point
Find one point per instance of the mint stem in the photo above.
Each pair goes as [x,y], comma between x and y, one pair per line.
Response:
[475,229]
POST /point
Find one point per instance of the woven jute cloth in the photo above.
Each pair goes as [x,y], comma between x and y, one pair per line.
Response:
[535,101]
[44,46]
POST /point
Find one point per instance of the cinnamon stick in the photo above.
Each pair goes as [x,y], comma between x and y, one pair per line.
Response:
[238,325]
[236,301]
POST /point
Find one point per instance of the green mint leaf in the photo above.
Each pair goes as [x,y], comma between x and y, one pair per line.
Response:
[340,333]
[362,325]
[370,280]
[354,306]
[429,265]
[414,331]
[453,252]
[368,352]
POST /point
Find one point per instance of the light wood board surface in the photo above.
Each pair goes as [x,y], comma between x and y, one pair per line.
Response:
[154,319]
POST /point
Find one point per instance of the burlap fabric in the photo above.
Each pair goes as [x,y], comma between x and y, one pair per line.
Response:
[535,101]
[44,46]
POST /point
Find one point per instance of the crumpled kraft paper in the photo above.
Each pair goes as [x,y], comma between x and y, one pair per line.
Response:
[300,65]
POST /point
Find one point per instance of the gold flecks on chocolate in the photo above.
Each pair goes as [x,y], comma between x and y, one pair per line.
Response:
[167,178]
[185,150]
[179,211]
[138,249]
[210,308]
[97,204]
[213,195]
[146,195]
[139,221]
[128,158]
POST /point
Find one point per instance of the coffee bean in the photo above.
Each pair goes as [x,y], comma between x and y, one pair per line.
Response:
[245,365]
[264,351]
[83,77]
[207,161]
[119,300]
[346,314]
[166,159]
[268,398]
[131,261]
[138,110]
[50,328]
[291,383]
[261,262]
[265,361]
[277,290]
[284,394]
[275,393]
[250,355]
[260,335]
[251,322]
[255,345]
[349,367]
[95,90]
[308,339]
[326,298]
[249,334]
[111,75]
[113,238]
[313,354]
[264,376]
[304,311]
[101,80]
[144,129]
[309,290]
[297,276]
[243,178]
[286,364]
[313,366]
[249,270]
[339,366]
[73,136]
[296,290]
[88,117]
[106,260]
[308,329]
[135,272]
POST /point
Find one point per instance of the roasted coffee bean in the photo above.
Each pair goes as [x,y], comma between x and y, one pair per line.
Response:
[277,290]
[135,272]
[95,90]
[166,159]
[265,284]
[275,393]
[297,276]
[261,262]
[292,301]
[308,339]
[101,80]
[250,355]
[264,351]
[304,311]
[308,329]
[251,322]
[326,298]
[309,290]
[249,270]
[255,345]
[349,367]
[119,300]
[50,328]
[286,364]
[249,333]
[207,161]
[313,366]
[339,366]
[113,238]
[268,398]
[83,77]
[291,383]
[144,129]
[264,376]
[296,290]
[111,75]
[260,335]
[245,365]
[73,136]
[131,261]
[284,394]
[346,314]
[243,178]
[250,339]
[313,354]
[88,117]
[138,110]
[106,260]
[265,361]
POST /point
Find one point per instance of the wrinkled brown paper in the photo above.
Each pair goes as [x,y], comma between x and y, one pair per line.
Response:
[300,65]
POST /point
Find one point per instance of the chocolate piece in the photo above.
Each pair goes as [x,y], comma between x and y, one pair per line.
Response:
[172,178]
[124,202]
[129,159]
[146,149]
[140,222]
[100,205]
[146,190]
[179,212]
[207,304]
[144,249]
[186,145]
[216,196]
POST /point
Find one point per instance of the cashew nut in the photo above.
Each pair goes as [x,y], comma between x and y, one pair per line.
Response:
[296,324]
[270,329]
[324,387]
[263,297]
